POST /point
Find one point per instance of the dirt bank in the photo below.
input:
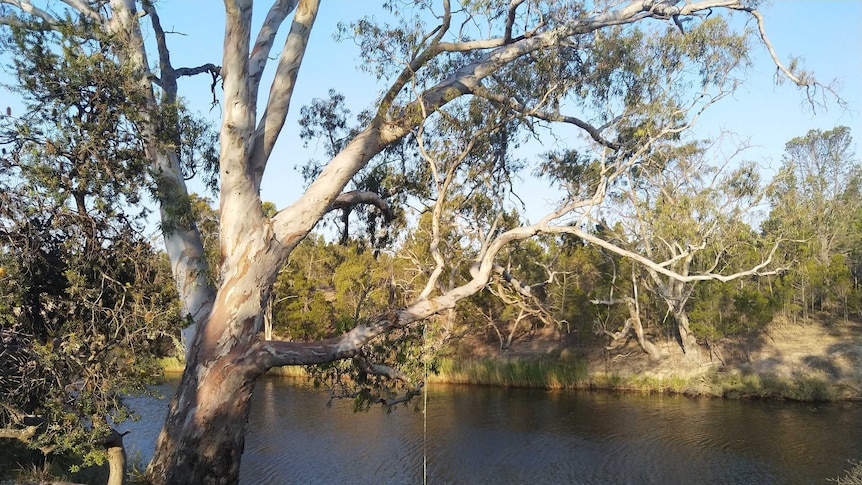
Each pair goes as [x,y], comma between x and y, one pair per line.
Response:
[813,352]
[774,362]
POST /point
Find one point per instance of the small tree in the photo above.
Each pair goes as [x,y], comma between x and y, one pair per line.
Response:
[680,209]
[86,303]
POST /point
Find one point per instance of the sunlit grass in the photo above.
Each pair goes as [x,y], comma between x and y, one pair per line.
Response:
[543,373]
[573,373]
[739,386]
[289,371]
[172,365]
[643,384]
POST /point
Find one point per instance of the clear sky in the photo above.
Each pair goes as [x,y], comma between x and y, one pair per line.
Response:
[826,34]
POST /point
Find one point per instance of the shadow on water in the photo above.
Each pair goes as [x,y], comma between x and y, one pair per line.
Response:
[491,435]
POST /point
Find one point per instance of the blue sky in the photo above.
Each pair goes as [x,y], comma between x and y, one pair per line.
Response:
[826,34]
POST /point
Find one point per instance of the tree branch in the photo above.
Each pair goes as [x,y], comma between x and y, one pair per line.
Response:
[86,11]
[25,434]
[513,104]
[27,7]
[803,80]
[510,19]
[356,197]
[167,75]
[756,270]
[212,69]
[192,71]
[281,91]
[417,62]
[263,44]
[292,223]
[31,425]
[367,367]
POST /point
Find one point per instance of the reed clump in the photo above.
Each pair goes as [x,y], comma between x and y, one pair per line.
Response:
[754,386]
[541,373]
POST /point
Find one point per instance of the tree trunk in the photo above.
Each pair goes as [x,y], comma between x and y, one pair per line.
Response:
[116,458]
[687,340]
[646,345]
[511,336]
[204,434]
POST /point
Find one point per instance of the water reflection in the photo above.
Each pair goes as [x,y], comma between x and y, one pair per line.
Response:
[489,435]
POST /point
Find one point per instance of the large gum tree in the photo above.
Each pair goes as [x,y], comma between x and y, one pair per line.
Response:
[628,76]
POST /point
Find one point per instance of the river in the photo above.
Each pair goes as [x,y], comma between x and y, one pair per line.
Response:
[490,435]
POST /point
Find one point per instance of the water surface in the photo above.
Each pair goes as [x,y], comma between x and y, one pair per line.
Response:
[489,435]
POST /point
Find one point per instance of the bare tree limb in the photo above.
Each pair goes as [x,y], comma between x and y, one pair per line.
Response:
[263,44]
[30,424]
[280,93]
[510,19]
[800,80]
[347,200]
[87,11]
[293,222]
[27,7]
[25,434]
[756,270]
[193,71]
[167,75]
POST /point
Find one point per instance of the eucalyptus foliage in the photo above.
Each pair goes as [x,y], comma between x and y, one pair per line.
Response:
[87,301]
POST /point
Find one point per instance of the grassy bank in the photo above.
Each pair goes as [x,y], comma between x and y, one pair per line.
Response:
[739,386]
[174,365]
[542,373]
[551,373]
[574,373]
[728,387]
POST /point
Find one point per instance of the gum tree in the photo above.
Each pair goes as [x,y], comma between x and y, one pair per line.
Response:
[817,203]
[629,77]
[691,214]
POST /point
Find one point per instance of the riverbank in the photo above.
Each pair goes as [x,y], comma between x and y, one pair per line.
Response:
[808,361]
[812,361]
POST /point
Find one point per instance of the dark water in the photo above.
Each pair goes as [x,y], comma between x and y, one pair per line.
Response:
[489,435]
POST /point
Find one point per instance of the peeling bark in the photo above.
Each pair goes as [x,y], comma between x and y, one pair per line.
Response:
[204,435]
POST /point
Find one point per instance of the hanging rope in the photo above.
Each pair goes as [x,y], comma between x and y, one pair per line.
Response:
[425,404]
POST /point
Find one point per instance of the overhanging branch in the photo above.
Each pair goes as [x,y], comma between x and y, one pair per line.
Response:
[802,80]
